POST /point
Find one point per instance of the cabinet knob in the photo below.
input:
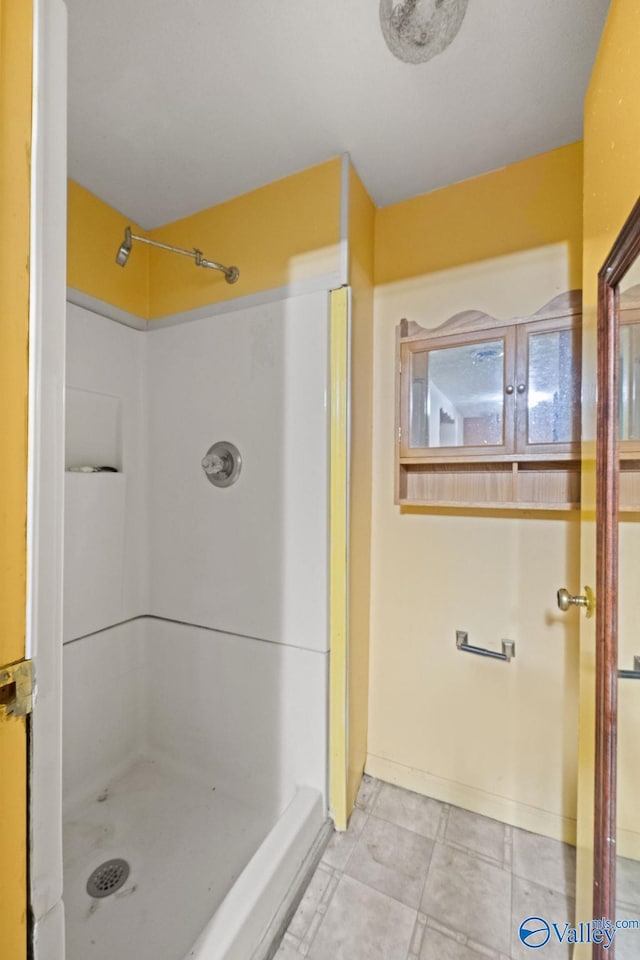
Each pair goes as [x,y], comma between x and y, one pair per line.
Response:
[509,389]
[522,387]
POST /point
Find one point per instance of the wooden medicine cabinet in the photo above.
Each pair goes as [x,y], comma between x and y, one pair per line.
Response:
[488,411]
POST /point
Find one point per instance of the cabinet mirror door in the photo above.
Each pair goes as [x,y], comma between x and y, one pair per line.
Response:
[456,396]
[551,388]
[627,847]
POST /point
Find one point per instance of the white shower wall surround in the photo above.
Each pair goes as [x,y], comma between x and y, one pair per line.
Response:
[106,572]
[251,558]
[200,700]
[196,630]
[158,539]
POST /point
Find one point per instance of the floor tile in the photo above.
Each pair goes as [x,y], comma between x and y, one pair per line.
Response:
[627,941]
[367,793]
[364,924]
[471,907]
[341,845]
[409,810]
[310,901]
[287,952]
[628,882]
[417,936]
[392,860]
[469,895]
[547,862]
[437,946]
[532,900]
[480,834]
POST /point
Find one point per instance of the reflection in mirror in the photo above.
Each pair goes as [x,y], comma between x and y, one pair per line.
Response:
[457,396]
[552,403]
[418,415]
[628,790]
[628,808]
[628,776]
[629,290]
[630,381]
[616,874]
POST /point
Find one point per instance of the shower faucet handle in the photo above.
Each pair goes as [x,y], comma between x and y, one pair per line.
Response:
[214,465]
[222,463]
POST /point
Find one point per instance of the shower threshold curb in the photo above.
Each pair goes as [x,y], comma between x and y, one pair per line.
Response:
[268,946]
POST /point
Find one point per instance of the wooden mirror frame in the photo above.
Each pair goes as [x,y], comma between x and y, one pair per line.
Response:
[625,251]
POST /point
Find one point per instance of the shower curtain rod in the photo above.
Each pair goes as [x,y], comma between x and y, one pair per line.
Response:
[231,273]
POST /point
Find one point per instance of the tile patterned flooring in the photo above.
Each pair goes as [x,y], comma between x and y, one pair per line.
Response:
[416,879]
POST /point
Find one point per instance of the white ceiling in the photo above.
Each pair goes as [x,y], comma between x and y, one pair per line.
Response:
[175,105]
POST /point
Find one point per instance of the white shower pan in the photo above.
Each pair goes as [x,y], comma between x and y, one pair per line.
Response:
[214,832]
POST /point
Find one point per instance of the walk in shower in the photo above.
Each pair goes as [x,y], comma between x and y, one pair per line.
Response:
[195,627]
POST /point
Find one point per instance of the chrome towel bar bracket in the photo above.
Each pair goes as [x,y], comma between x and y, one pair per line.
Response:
[508,648]
[631,674]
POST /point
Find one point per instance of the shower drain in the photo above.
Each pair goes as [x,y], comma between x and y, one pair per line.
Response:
[107,878]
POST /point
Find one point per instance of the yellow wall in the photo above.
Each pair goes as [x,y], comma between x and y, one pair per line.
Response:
[286,231]
[611,137]
[95,231]
[500,739]
[520,207]
[16,45]
[611,187]
[280,233]
[361,227]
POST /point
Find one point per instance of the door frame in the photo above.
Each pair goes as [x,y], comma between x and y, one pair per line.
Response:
[624,252]
[45,499]
[339,444]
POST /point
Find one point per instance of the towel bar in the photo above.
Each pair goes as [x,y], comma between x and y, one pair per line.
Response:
[508,648]
[631,674]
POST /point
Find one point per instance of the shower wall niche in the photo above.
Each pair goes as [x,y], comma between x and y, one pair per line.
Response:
[196,633]
[106,569]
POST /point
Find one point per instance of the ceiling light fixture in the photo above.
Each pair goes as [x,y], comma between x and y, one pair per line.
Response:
[417,30]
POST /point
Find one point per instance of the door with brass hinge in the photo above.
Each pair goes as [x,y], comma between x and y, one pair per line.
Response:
[16,35]
[16,689]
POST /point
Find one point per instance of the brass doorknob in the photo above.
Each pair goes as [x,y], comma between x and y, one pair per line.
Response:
[587,600]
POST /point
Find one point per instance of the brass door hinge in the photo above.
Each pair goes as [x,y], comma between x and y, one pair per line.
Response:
[16,689]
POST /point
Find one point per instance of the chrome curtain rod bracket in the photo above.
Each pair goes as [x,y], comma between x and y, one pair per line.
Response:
[231,274]
[508,648]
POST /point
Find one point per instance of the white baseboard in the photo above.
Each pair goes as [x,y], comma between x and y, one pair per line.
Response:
[509,811]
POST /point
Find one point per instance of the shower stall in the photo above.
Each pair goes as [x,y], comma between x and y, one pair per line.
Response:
[195,627]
